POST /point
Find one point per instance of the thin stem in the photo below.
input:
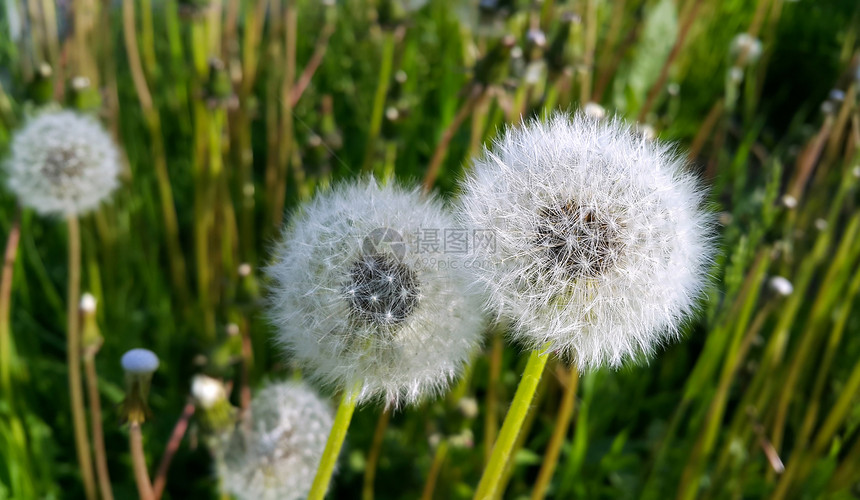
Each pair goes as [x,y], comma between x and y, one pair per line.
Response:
[138,459]
[491,417]
[378,109]
[442,148]
[511,426]
[373,455]
[334,443]
[96,424]
[587,72]
[73,352]
[5,302]
[673,54]
[172,445]
[562,424]
[435,468]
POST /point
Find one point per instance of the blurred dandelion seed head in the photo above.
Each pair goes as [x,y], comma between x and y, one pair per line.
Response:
[139,361]
[602,245]
[356,300]
[62,163]
[275,456]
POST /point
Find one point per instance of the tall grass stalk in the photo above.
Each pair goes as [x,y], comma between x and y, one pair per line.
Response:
[73,359]
[559,433]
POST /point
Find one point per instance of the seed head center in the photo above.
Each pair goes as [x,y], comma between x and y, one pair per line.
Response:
[579,241]
[382,291]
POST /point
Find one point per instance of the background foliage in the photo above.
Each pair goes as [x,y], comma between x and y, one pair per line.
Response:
[232,114]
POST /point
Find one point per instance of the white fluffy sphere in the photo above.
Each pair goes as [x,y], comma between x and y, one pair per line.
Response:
[363,294]
[602,244]
[275,456]
[62,163]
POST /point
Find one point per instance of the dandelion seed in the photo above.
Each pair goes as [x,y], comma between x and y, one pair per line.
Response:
[747,47]
[601,241]
[275,455]
[359,298]
[62,163]
[780,286]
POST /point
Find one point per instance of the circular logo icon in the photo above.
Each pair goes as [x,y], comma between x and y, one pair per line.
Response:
[384,240]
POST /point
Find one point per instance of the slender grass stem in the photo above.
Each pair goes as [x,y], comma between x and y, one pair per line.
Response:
[441,150]
[586,75]
[562,424]
[378,109]
[658,86]
[172,446]
[513,421]
[334,443]
[138,459]
[373,455]
[9,258]
[96,423]
[435,469]
[491,412]
[73,352]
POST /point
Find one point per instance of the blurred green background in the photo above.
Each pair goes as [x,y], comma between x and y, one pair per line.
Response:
[230,113]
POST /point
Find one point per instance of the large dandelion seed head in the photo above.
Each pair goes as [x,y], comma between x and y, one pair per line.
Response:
[601,241]
[275,456]
[361,296]
[62,163]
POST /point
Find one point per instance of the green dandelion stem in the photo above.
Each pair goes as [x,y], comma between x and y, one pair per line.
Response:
[334,443]
[513,421]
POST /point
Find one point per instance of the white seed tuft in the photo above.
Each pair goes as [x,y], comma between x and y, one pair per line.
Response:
[602,245]
[361,295]
[139,361]
[88,303]
[780,286]
[276,455]
[62,163]
[207,391]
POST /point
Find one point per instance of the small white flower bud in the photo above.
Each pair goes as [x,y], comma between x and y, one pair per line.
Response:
[468,407]
[821,224]
[789,201]
[780,286]
[594,110]
[88,303]
[207,391]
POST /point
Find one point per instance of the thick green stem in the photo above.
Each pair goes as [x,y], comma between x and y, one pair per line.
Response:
[73,351]
[334,443]
[511,426]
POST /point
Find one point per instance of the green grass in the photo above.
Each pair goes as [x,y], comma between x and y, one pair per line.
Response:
[754,370]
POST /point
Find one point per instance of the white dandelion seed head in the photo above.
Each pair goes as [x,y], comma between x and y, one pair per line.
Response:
[748,45]
[602,245]
[62,163]
[207,391]
[139,361]
[781,286]
[276,455]
[88,303]
[358,299]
